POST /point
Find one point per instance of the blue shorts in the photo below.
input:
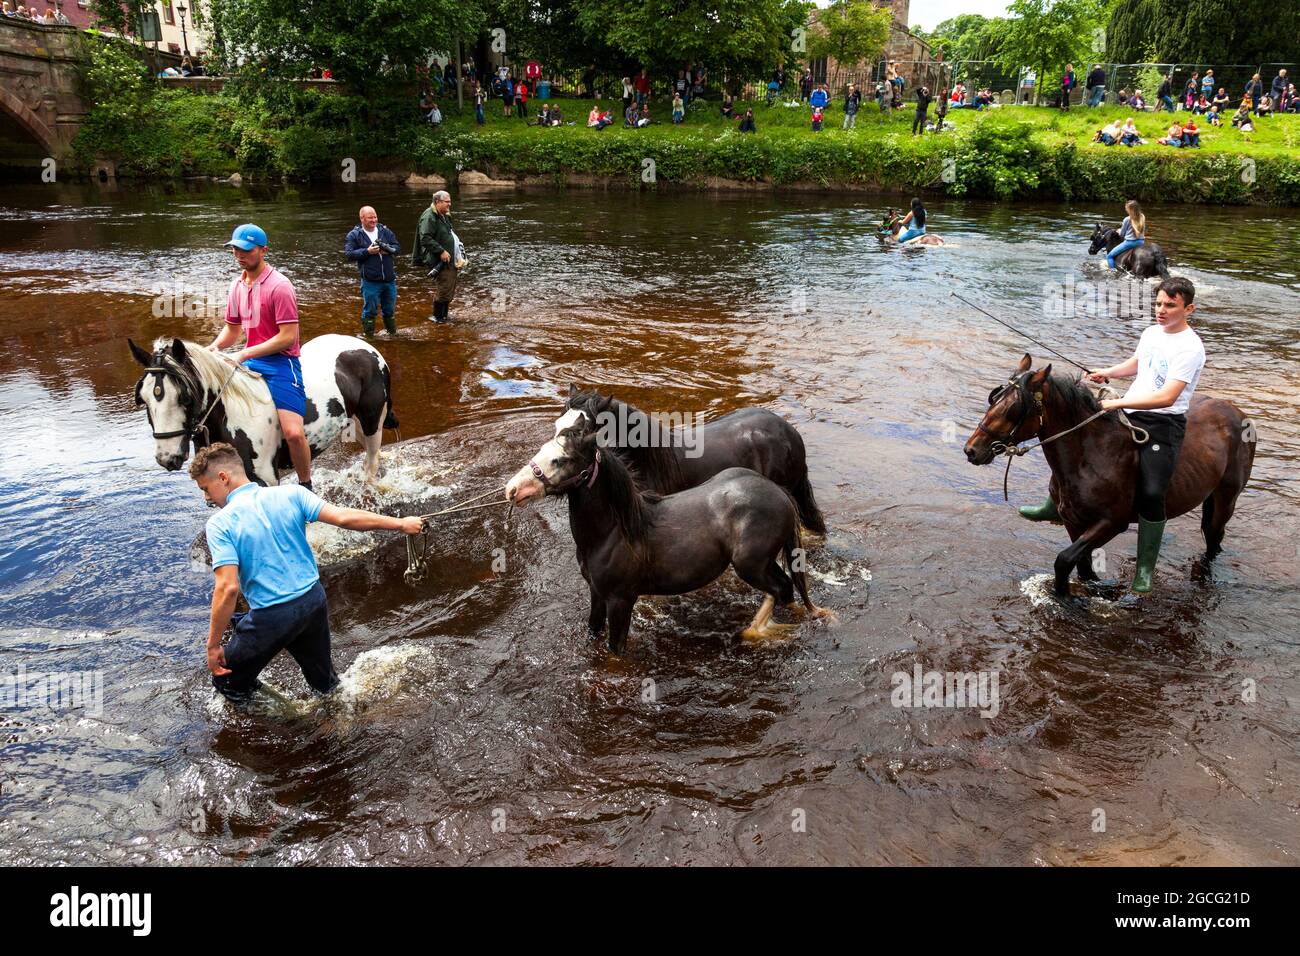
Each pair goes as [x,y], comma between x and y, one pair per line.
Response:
[283,376]
[911,233]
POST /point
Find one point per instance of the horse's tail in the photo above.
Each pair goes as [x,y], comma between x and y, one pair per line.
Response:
[390,419]
[796,561]
[1161,263]
[809,513]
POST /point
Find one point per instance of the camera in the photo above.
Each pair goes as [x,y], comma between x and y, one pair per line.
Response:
[436,269]
[385,248]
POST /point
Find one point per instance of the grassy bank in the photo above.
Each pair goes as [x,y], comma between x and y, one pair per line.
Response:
[1005,153]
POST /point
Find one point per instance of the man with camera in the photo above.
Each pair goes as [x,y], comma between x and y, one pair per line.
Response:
[372,246]
[437,245]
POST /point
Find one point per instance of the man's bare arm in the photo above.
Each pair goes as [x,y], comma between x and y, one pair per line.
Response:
[354,519]
[224,595]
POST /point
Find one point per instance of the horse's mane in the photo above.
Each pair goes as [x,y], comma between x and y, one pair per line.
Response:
[244,392]
[1077,398]
[626,499]
[653,462]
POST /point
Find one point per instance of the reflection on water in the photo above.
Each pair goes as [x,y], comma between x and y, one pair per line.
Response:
[477,692]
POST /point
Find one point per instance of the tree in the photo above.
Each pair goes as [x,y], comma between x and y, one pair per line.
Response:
[738,39]
[365,43]
[1047,34]
[967,36]
[1204,31]
[850,31]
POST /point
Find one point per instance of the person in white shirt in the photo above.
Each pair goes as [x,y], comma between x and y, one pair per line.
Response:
[1167,366]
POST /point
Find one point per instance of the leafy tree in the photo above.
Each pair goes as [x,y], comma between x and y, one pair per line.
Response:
[967,36]
[364,43]
[1204,31]
[1047,34]
[850,31]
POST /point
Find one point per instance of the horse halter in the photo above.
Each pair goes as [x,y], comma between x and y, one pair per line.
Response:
[1027,407]
[587,475]
[187,401]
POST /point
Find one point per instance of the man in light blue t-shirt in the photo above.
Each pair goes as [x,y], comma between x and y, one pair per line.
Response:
[259,546]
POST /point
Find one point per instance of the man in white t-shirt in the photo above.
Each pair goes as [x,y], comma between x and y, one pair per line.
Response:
[1167,366]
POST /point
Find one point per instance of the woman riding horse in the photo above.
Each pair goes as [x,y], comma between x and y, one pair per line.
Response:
[1127,248]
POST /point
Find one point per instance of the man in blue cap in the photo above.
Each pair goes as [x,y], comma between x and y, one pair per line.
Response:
[262,303]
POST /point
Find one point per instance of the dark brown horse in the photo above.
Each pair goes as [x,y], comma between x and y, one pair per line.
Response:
[633,542]
[1094,469]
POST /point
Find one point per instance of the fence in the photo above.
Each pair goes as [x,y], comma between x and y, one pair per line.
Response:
[1233,77]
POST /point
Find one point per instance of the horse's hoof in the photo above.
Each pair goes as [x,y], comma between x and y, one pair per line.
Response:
[826,614]
[769,631]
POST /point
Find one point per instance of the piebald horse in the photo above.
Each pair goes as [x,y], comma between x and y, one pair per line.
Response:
[194,396]
[632,542]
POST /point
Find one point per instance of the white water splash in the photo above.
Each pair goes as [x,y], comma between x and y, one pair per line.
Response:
[835,578]
[383,674]
[1040,589]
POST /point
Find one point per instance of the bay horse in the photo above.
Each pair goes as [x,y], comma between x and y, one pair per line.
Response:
[194,396]
[1094,469]
[752,438]
[632,542]
[1146,261]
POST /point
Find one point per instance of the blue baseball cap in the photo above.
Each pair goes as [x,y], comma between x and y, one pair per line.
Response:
[247,236]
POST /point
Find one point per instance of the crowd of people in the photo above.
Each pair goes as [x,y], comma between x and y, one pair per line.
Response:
[51,16]
[1200,94]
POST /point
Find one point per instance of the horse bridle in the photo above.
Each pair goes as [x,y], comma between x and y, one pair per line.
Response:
[187,401]
[1028,405]
[587,475]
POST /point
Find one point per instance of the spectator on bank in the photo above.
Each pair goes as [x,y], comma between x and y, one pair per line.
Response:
[679,108]
[1278,90]
[1173,136]
[1190,89]
[1122,97]
[644,119]
[681,88]
[1241,119]
[805,86]
[480,100]
[779,75]
[1191,134]
[1129,136]
[1068,83]
[1096,86]
[1137,101]
[1207,84]
[922,108]
[1221,100]
[940,110]
[1291,103]
[1254,92]
[629,93]
[642,88]
[747,122]
[728,107]
[1265,105]
[1213,117]
[852,100]
[1109,134]
[817,119]
[434,116]
[1163,97]
[819,98]
[1201,106]
[881,93]
[6,9]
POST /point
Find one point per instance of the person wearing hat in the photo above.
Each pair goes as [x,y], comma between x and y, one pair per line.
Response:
[436,246]
[263,304]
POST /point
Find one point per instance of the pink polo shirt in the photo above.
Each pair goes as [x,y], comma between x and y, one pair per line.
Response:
[263,307]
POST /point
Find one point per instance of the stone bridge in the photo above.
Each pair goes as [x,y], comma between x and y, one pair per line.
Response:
[41,106]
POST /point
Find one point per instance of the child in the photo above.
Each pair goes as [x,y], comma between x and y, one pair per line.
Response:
[679,108]
[817,119]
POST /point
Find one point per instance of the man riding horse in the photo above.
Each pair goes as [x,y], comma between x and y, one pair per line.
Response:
[1167,365]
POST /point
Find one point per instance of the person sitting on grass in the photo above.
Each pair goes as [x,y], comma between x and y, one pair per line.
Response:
[1265,105]
[597,119]
[679,108]
[1201,106]
[1174,137]
[1221,100]
[1191,134]
[1122,98]
[1213,117]
[1109,134]
[1241,119]
[728,107]
[747,122]
[817,118]
[1129,135]
[643,118]
[1136,101]
[1292,99]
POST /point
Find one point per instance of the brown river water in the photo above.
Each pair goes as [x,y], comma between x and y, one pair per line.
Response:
[478,724]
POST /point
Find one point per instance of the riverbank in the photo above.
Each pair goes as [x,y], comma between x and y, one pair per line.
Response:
[1003,153]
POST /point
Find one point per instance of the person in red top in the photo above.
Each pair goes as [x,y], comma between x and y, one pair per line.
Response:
[642,84]
[533,73]
[263,305]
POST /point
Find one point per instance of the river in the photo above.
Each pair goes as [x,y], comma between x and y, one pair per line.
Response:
[479,724]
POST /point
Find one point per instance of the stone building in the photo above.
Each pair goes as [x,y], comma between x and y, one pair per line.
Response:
[911,56]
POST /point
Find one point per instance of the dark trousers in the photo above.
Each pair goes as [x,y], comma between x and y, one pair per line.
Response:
[918,122]
[300,626]
[378,297]
[1156,460]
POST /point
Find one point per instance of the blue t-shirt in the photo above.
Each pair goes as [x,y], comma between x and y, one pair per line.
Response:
[264,532]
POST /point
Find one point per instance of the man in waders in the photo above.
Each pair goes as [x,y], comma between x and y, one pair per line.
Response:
[259,546]
[1168,364]
[435,245]
[263,304]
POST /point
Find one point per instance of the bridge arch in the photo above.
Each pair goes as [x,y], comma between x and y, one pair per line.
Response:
[14,108]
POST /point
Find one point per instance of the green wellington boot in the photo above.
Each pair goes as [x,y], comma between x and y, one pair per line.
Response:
[1149,535]
[1044,512]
